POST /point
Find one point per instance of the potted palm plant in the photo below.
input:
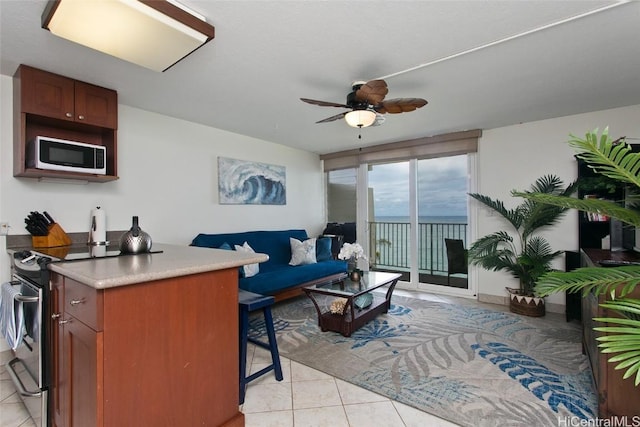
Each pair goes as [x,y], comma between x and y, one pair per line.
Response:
[526,256]
[615,160]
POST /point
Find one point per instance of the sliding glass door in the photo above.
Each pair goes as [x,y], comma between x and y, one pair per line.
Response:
[442,187]
[413,207]
[390,218]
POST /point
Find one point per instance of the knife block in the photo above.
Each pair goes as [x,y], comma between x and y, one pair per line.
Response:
[56,237]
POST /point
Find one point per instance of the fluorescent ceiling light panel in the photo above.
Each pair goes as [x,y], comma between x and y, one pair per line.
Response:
[154,34]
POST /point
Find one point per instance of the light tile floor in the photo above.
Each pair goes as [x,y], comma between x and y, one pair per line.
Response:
[304,398]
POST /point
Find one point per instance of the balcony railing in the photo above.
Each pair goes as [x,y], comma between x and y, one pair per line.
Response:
[390,245]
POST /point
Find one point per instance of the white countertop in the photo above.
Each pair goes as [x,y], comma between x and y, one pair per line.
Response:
[174,261]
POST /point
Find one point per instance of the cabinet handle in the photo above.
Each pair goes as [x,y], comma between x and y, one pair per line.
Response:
[62,322]
[55,315]
[69,115]
[81,117]
[76,301]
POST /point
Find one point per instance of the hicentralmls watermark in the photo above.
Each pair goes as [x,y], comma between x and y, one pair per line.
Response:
[623,421]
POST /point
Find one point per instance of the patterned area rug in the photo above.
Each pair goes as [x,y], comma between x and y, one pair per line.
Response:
[462,362]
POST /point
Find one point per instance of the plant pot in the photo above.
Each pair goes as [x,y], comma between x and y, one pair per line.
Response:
[525,305]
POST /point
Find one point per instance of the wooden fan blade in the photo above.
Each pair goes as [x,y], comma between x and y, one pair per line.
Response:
[323,103]
[400,105]
[333,118]
[372,92]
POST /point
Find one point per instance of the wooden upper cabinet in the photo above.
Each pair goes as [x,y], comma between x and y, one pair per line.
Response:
[51,95]
[47,94]
[55,106]
[96,105]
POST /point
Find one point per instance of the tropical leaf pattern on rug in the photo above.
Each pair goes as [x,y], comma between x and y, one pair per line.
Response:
[543,383]
[426,354]
[258,329]
[378,331]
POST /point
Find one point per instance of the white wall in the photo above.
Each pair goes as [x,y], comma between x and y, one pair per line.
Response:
[168,177]
[514,157]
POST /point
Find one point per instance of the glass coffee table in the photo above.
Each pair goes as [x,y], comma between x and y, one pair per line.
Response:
[344,306]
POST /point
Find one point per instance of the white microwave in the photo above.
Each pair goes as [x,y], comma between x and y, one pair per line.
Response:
[48,153]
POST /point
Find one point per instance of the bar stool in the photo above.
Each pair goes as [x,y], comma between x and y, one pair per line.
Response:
[248,302]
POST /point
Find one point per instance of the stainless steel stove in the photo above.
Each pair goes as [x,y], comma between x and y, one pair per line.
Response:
[80,252]
[30,367]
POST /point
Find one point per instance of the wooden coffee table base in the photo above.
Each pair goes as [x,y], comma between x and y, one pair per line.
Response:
[352,317]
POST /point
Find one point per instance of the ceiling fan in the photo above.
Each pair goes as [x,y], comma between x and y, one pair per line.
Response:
[366,103]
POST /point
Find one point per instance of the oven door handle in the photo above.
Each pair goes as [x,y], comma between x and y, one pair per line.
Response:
[18,383]
[23,298]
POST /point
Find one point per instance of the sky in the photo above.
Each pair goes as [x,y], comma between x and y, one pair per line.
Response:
[442,187]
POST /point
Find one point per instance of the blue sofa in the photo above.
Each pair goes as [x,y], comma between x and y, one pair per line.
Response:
[276,277]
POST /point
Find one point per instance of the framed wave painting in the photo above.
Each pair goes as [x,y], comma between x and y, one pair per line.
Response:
[242,182]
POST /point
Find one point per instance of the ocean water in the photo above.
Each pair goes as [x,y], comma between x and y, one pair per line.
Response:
[390,237]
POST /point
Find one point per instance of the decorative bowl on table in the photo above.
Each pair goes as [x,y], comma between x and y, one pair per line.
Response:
[363,301]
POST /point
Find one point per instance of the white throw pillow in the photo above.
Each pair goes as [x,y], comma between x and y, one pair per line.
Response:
[302,252]
[249,269]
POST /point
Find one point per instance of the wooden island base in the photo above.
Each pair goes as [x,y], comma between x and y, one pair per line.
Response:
[158,353]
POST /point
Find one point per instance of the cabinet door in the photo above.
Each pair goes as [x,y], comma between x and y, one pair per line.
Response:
[96,105]
[83,358]
[56,394]
[47,94]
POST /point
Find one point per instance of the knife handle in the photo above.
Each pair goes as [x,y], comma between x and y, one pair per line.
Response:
[51,221]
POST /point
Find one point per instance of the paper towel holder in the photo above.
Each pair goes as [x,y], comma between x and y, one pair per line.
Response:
[93,231]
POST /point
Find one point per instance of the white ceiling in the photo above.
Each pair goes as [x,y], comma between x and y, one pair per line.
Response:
[480,64]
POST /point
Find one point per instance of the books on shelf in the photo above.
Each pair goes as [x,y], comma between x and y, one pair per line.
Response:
[595,217]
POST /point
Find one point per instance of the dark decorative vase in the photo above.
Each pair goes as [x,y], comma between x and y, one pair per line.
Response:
[355,275]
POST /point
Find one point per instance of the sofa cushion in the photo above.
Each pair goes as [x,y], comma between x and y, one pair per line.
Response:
[250,270]
[302,252]
[323,249]
[276,275]
[225,246]
[273,243]
[286,276]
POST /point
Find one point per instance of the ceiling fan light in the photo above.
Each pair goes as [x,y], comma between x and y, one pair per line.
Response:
[360,118]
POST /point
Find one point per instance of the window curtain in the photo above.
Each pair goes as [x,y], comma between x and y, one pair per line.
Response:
[450,144]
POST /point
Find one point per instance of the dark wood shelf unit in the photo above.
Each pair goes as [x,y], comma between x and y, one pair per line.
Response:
[617,397]
[47,104]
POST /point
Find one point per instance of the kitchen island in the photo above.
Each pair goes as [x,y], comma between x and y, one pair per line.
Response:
[147,339]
